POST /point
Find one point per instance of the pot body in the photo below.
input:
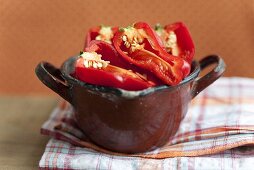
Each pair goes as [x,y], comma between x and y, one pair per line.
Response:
[131,125]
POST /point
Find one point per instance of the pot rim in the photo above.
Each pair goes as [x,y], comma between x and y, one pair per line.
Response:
[68,67]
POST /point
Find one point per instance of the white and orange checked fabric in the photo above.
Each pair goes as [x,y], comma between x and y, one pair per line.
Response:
[219,121]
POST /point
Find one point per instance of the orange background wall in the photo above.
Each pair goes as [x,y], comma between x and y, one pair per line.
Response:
[53,30]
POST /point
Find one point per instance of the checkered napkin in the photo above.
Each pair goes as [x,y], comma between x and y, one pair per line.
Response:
[219,118]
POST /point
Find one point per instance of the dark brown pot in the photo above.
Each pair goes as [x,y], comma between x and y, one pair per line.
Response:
[128,121]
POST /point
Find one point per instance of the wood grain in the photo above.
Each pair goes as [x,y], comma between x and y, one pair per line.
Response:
[21,145]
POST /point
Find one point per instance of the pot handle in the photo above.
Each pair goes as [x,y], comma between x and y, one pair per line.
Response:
[52,78]
[203,82]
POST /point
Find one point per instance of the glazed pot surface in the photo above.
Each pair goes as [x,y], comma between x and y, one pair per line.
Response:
[131,125]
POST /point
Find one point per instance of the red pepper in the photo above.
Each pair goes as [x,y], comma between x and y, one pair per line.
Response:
[110,54]
[110,75]
[141,46]
[104,33]
[177,40]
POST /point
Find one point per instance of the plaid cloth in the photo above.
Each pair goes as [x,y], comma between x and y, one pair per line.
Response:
[219,118]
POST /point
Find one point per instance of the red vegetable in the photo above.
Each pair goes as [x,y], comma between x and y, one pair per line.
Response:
[110,54]
[107,51]
[103,33]
[95,70]
[141,46]
[177,40]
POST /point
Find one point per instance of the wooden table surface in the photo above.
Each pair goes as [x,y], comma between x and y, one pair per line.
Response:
[21,144]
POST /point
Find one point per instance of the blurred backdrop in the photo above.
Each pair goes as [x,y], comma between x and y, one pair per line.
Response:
[31,31]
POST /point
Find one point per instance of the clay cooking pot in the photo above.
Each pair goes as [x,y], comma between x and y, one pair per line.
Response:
[128,121]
